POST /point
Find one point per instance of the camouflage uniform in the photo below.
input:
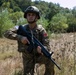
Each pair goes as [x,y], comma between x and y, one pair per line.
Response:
[33,57]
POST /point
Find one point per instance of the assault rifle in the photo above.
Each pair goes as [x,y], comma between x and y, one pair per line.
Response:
[22,31]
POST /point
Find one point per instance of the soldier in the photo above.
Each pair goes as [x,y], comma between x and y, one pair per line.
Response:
[30,58]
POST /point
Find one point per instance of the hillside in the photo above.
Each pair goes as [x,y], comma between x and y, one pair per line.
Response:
[63,46]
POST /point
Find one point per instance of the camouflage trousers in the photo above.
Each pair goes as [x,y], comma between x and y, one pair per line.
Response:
[30,60]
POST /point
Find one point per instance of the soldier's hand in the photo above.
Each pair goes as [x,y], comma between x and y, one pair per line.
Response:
[39,50]
[24,40]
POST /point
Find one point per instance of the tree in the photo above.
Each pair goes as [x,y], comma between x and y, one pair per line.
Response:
[5,21]
[74,11]
[53,10]
[23,4]
[71,20]
[58,23]
[15,16]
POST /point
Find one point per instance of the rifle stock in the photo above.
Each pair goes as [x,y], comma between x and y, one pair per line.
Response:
[24,32]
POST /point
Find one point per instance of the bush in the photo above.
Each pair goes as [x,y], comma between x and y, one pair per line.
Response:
[5,21]
[58,23]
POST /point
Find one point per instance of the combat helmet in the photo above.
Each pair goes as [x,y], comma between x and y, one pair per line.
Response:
[32,9]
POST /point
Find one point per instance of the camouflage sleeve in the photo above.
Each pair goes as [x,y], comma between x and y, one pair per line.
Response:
[12,34]
[45,39]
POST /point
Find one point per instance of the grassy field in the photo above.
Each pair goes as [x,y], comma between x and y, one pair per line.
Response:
[63,46]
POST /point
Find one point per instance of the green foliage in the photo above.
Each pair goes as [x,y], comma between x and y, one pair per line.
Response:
[21,21]
[53,10]
[6,4]
[5,21]
[72,24]
[74,11]
[58,23]
[42,5]
[53,17]
[71,21]
[16,16]
[23,4]
[16,9]
[43,22]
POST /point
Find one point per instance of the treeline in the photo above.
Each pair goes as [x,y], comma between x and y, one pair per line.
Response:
[53,17]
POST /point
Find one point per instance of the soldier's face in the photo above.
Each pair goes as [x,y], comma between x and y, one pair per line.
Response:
[31,17]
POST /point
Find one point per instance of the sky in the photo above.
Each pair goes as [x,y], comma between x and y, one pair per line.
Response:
[63,3]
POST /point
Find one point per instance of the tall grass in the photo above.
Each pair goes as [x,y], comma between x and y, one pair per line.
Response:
[63,46]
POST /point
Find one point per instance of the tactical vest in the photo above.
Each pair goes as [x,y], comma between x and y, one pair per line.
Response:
[37,32]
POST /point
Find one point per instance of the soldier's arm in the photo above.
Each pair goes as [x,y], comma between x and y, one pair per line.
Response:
[45,39]
[12,34]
